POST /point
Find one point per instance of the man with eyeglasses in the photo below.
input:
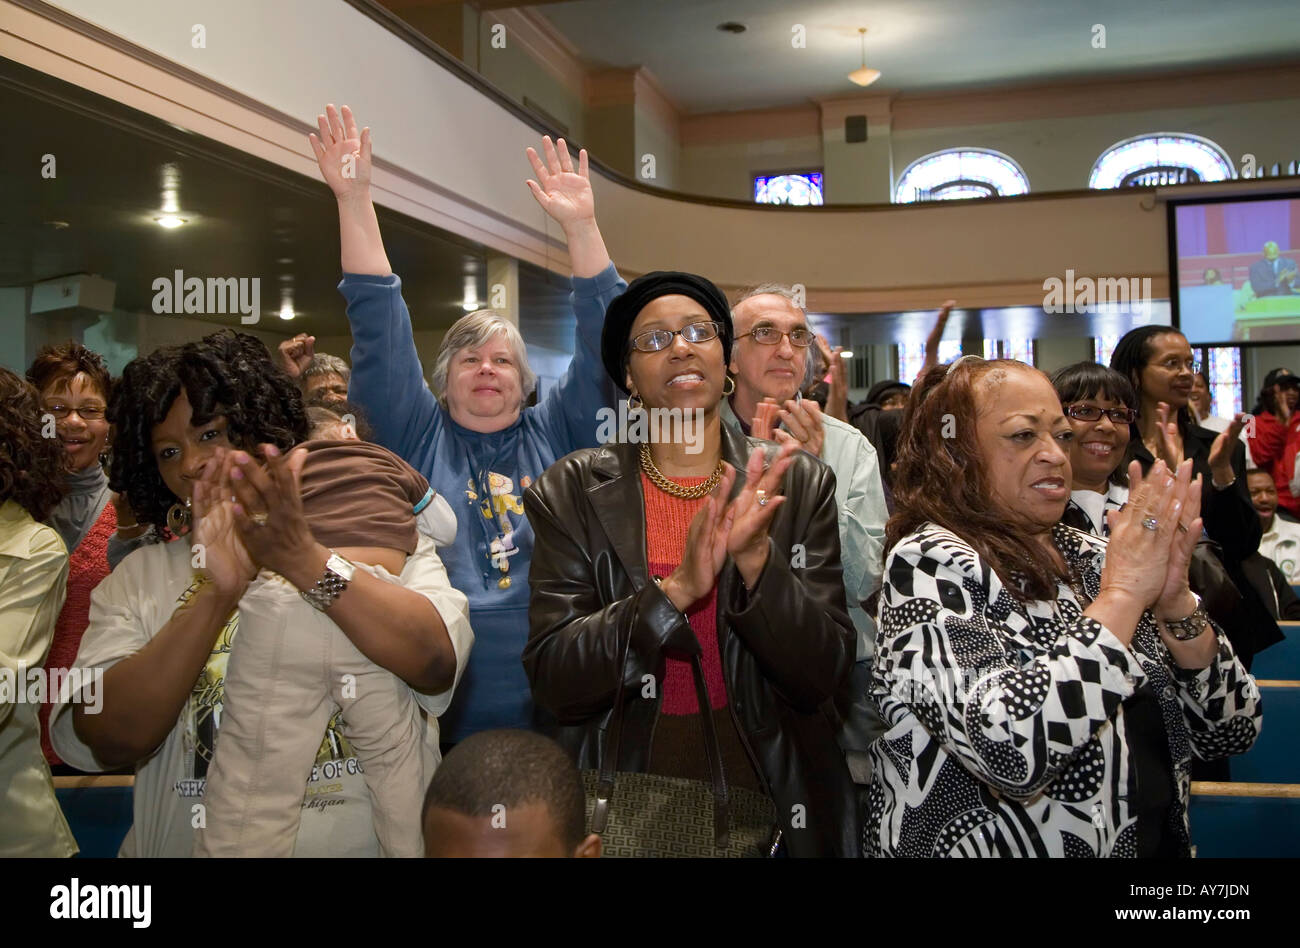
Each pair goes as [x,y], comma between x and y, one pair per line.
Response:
[769,362]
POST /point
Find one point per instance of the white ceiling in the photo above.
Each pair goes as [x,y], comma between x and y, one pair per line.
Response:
[917,44]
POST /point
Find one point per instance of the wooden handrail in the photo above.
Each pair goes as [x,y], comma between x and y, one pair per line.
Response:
[1276,683]
[84,781]
[1210,788]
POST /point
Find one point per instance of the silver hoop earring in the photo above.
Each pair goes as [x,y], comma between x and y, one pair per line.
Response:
[725,390]
[637,407]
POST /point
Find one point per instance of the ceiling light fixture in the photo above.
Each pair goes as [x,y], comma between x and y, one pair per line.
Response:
[864,76]
[732,27]
[170,221]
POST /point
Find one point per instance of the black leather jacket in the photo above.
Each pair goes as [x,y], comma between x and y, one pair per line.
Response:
[787,646]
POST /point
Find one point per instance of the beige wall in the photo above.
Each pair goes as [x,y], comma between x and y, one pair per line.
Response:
[519,75]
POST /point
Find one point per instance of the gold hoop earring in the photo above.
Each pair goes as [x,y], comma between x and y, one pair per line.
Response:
[637,407]
[179,517]
[727,391]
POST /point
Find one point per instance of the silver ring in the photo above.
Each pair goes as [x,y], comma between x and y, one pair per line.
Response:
[762,497]
[259,518]
[1151,523]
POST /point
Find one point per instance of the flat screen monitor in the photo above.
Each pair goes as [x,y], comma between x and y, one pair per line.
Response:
[1233,267]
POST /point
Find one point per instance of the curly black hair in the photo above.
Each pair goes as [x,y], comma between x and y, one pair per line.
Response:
[32,467]
[227,373]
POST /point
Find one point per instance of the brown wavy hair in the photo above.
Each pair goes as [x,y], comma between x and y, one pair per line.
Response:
[64,362]
[32,467]
[943,480]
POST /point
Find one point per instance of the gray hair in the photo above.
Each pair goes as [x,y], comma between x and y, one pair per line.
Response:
[769,289]
[322,364]
[473,331]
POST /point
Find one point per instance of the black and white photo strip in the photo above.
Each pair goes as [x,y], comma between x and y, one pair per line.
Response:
[648,430]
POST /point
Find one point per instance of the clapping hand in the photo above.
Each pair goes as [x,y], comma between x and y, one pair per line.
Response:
[706,547]
[753,509]
[268,511]
[225,559]
[1222,448]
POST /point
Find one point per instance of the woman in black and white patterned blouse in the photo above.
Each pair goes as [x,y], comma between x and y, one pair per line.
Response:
[1045,690]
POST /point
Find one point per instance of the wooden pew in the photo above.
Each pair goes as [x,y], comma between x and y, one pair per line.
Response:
[1231,820]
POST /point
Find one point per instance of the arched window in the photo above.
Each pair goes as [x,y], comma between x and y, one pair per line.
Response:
[1162,158]
[802,188]
[960,173]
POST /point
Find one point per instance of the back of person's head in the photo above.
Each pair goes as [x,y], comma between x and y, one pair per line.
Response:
[941,477]
[507,793]
[327,417]
[32,466]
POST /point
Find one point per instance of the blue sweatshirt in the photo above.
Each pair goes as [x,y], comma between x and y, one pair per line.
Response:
[482,476]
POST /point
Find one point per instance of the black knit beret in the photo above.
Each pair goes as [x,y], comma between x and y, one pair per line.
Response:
[614,340]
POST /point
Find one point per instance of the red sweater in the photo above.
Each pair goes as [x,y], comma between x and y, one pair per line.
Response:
[87,565]
[1273,449]
[667,519]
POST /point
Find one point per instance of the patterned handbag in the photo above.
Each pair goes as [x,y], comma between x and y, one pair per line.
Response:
[658,816]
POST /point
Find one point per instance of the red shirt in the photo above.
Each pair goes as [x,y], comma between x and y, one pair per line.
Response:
[667,519]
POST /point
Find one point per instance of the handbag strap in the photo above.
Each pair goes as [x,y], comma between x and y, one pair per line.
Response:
[614,736]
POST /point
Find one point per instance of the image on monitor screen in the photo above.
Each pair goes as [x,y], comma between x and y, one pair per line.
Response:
[1235,269]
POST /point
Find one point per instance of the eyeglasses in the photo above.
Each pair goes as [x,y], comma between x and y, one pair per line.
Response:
[657,339]
[771,336]
[1120,416]
[87,412]
[1176,365]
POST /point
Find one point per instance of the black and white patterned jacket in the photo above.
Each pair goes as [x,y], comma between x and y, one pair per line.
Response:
[1005,731]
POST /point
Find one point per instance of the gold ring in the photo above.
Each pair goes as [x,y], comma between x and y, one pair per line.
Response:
[259,518]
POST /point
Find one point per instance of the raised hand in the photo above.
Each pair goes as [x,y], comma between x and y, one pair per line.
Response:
[342,153]
[753,509]
[563,193]
[936,335]
[837,401]
[226,561]
[296,354]
[706,548]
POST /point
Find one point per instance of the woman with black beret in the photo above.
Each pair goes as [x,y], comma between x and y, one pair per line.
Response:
[687,613]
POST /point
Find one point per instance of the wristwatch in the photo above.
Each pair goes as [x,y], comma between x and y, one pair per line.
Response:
[1186,629]
[338,573]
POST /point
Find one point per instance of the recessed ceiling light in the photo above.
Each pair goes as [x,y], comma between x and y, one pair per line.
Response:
[170,221]
[58,225]
[286,311]
[732,27]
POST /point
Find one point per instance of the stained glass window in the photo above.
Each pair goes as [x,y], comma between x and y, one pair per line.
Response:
[803,188]
[911,356]
[1224,371]
[1162,158]
[1022,350]
[1103,348]
[960,173]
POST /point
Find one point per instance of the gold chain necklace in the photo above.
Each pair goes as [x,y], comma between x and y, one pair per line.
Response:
[673,489]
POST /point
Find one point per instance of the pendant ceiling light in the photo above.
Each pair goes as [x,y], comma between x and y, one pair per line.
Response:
[864,76]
